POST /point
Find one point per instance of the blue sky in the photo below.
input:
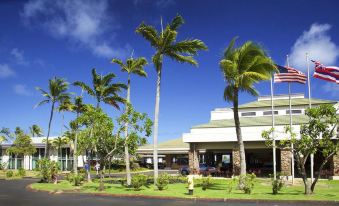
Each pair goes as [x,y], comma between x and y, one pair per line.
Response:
[42,39]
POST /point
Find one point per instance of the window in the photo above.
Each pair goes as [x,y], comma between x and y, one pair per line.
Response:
[270,112]
[294,111]
[247,114]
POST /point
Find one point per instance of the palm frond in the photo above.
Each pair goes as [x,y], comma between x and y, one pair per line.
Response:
[85,87]
[189,46]
[42,103]
[183,59]
[149,33]
[176,22]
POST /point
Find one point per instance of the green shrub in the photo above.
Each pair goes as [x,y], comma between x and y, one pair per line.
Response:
[135,166]
[163,181]
[21,172]
[178,179]
[277,184]
[48,170]
[232,184]
[246,183]
[206,182]
[75,179]
[138,181]
[9,174]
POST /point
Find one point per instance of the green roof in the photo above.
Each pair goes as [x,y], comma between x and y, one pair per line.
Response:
[173,143]
[255,121]
[285,102]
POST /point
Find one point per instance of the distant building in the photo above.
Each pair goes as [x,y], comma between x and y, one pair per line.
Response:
[215,142]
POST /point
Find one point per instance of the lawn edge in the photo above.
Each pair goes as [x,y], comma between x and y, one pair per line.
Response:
[29,188]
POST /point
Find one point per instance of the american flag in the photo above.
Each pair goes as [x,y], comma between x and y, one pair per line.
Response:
[327,73]
[289,74]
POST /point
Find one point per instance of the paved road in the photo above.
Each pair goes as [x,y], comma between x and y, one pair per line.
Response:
[14,193]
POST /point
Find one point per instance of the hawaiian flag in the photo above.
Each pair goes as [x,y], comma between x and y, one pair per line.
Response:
[327,73]
[289,74]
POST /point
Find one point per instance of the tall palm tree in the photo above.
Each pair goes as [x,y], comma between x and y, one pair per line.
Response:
[132,66]
[36,130]
[103,89]
[57,93]
[77,107]
[165,44]
[242,67]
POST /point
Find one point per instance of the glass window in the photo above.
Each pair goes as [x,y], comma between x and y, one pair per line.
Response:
[246,114]
[294,111]
[270,112]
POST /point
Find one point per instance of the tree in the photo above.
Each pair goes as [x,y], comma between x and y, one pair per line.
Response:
[165,44]
[318,135]
[36,130]
[139,127]
[5,134]
[58,143]
[22,145]
[132,66]
[95,121]
[57,93]
[242,67]
[77,107]
[103,89]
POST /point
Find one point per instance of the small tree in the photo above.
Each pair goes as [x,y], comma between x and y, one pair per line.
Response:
[317,136]
[22,144]
[139,127]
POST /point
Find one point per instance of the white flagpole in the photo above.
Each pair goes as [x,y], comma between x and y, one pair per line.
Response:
[290,104]
[310,106]
[273,136]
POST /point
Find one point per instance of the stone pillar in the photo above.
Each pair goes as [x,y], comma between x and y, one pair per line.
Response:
[193,160]
[168,160]
[335,167]
[236,161]
[285,162]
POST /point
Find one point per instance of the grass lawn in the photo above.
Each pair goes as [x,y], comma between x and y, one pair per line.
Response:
[115,171]
[325,190]
[16,176]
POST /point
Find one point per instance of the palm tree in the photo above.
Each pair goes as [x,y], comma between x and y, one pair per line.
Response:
[132,66]
[36,130]
[103,89]
[58,143]
[78,107]
[165,44]
[57,93]
[242,67]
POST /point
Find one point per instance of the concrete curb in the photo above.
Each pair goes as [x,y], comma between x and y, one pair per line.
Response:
[195,199]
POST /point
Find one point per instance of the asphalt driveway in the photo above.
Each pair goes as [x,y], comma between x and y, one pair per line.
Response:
[14,193]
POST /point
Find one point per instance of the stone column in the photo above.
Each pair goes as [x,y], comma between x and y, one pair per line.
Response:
[193,160]
[168,160]
[335,167]
[285,162]
[236,161]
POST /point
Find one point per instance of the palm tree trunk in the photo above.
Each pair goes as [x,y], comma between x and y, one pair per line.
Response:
[75,155]
[156,124]
[128,170]
[238,131]
[48,132]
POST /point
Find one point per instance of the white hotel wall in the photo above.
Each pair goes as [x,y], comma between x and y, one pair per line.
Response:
[229,134]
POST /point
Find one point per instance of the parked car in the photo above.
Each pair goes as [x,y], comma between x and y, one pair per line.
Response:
[204,169]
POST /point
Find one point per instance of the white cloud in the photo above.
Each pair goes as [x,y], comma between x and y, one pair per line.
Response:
[19,57]
[84,22]
[6,71]
[317,42]
[331,88]
[21,89]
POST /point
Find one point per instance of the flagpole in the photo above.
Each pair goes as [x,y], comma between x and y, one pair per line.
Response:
[310,106]
[290,106]
[273,136]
